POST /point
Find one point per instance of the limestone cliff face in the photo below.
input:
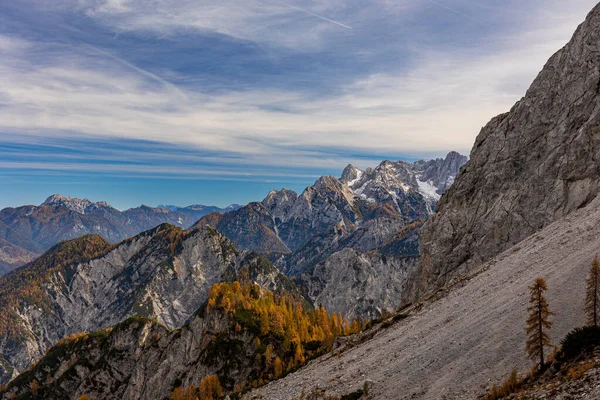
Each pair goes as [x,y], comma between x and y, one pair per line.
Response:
[164,273]
[360,284]
[528,167]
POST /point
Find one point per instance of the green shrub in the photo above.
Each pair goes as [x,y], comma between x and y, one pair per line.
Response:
[580,340]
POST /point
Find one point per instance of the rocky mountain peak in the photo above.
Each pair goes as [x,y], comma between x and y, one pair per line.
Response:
[350,174]
[280,202]
[73,204]
[528,167]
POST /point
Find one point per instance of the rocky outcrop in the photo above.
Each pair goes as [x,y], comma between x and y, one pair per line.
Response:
[251,228]
[359,284]
[137,359]
[528,167]
[164,273]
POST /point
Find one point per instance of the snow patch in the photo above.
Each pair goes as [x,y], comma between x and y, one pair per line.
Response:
[428,190]
[359,175]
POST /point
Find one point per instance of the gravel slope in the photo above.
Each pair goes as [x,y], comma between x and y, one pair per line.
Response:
[458,345]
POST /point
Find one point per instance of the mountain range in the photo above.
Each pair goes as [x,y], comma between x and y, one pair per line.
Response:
[27,231]
[365,222]
[363,210]
[455,246]
[524,206]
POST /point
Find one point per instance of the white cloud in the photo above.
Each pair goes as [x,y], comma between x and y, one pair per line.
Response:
[436,105]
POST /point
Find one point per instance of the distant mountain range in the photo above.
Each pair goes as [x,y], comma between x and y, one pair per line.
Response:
[27,231]
[362,210]
[348,241]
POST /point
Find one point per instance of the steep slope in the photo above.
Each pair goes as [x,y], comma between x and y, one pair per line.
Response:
[140,359]
[88,284]
[457,343]
[528,167]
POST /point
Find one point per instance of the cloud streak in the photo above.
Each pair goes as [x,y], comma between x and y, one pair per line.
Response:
[314,15]
[454,11]
[434,103]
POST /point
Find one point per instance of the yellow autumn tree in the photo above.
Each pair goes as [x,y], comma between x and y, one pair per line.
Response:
[538,322]
[210,388]
[278,367]
[187,393]
[287,331]
[34,386]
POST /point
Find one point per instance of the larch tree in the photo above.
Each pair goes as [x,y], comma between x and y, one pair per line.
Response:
[210,388]
[592,293]
[538,322]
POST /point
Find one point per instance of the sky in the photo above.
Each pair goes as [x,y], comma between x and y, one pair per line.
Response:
[217,102]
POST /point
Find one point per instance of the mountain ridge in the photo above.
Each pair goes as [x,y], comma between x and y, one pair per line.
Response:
[30,230]
[87,284]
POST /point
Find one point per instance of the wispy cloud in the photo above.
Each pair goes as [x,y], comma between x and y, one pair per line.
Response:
[246,20]
[434,102]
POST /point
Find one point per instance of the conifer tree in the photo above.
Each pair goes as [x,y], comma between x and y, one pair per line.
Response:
[592,293]
[210,388]
[538,322]
[278,367]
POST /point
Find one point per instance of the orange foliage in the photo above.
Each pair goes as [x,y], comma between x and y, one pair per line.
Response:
[26,286]
[288,331]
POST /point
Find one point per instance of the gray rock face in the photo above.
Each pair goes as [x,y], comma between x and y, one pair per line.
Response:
[280,203]
[164,273]
[136,360]
[360,284]
[528,167]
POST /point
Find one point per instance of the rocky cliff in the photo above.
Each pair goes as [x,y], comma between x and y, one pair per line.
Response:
[528,167]
[141,359]
[88,284]
[359,284]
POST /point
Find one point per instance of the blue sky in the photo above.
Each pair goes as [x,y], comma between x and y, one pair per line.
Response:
[216,102]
